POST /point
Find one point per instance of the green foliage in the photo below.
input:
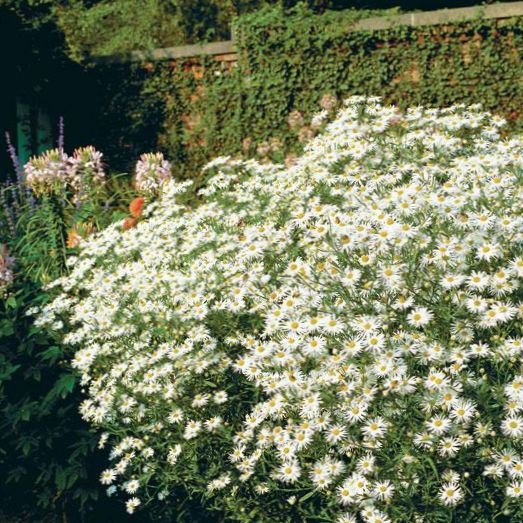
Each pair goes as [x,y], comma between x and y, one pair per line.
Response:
[44,443]
[290,55]
[108,26]
[288,59]
[47,454]
[290,62]
[82,25]
[42,247]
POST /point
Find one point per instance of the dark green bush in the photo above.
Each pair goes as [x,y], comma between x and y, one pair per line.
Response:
[288,59]
[48,456]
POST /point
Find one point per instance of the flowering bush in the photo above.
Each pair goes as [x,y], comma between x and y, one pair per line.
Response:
[54,172]
[152,172]
[57,201]
[86,170]
[47,173]
[339,340]
[46,449]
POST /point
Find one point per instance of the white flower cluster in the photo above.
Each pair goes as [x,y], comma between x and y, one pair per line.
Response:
[86,168]
[348,327]
[47,173]
[152,172]
[54,171]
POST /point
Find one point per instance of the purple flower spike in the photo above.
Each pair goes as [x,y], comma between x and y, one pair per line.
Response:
[61,133]
[14,159]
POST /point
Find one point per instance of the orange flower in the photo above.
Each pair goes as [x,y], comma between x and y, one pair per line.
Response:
[135,207]
[73,238]
[129,223]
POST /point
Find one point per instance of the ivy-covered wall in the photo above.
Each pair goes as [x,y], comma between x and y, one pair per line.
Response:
[287,62]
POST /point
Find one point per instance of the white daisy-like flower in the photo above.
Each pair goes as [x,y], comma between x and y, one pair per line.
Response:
[451,494]
[419,317]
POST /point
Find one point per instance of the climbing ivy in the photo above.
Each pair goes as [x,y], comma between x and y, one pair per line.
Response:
[289,59]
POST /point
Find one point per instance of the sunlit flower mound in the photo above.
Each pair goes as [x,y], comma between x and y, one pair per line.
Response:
[335,341]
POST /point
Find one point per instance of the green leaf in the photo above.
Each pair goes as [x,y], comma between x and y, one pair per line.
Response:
[52,353]
[64,385]
[432,465]
[11,369]
[25,413]
[26,448]
[307,496]
[6,328]
[11,302]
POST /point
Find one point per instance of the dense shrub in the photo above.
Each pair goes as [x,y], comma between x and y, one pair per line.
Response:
[338,340]
[288,60]
[117,26]
[48,455]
